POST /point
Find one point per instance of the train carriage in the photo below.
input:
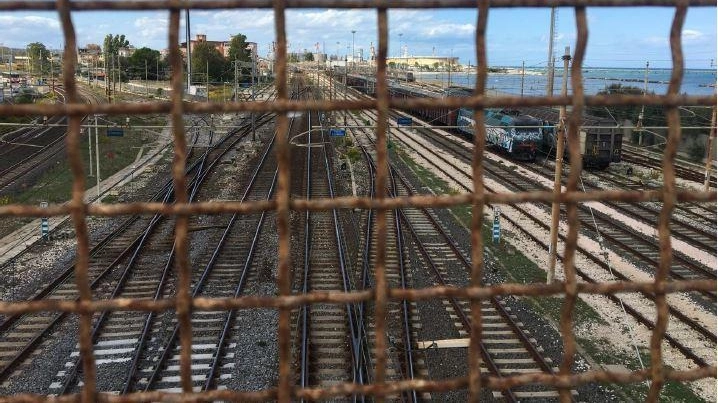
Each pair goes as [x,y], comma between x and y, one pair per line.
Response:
[520,132]
[600,141]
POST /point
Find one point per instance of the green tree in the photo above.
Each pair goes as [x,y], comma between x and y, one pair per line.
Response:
[112,45]
[238,52]
[39,58]
[204,56]
[141,58]
[308,57]
[238,49]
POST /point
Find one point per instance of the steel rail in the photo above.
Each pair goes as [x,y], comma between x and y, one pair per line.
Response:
[678,314]
[683,206]
[681,171]
[511,180]
[52,286]
[170,344]
[199,178]
[304,311]
[632,311]
[467,265]
[231,314]
[134,246]
[200,175]
[406,322]
[492,366]
[640,317]
[462,152]
[359,370]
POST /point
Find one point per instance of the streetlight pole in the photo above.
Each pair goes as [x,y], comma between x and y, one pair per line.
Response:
[399,55]
[189,53]
[353,51]
[97,159]
[89,147]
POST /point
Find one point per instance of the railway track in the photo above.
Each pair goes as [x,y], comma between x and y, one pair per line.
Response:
[506,347]
[687,324]
[28,151]
[684,170]
[129,273]
[459,176]
[620,236]
[326,333]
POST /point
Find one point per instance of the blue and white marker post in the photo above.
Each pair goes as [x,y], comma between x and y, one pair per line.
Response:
[44,224]
[496,229]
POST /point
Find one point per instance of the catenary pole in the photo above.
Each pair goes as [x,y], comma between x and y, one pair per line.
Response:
[555,206]
[97,159]
[709,151]
[550,61]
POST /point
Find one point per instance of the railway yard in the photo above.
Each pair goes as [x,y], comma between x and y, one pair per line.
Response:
[233,157]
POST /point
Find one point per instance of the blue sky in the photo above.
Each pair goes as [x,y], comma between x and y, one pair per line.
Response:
[625,37]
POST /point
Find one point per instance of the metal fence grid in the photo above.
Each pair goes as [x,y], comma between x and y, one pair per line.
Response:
[657,374]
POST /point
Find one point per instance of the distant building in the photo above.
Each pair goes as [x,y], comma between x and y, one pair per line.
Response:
[89,55]
[221,46]
[126,52]
[90,60]
[425,62]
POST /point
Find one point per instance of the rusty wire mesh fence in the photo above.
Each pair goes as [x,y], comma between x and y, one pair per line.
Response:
[657,374]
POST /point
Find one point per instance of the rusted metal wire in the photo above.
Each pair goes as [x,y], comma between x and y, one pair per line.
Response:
[382,171]
[286,105]
[183,304]
[341,4]
[477,208]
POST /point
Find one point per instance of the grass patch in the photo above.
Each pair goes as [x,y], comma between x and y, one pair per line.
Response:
[518,268]
[116,153]
[672,391]
[583,314]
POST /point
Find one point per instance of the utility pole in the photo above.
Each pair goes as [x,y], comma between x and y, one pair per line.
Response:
[709,152]
[450,61]
[555,207]
[254,71]
[639,125]
[353,52]
[207,80]
[97,159]
[550,61]
[236,90]
[523,73]
[107,77]
[119,71]
[189,52]
[89,146]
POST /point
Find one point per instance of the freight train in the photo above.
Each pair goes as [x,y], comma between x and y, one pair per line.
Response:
[522,133]
[402,75]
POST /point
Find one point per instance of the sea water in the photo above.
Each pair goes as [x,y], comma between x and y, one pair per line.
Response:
[695,82]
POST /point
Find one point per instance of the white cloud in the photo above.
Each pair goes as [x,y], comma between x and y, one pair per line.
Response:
[149,29]
[448,30]
[29,21]
[691,35]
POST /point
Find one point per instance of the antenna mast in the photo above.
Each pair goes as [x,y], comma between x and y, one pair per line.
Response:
[550,63]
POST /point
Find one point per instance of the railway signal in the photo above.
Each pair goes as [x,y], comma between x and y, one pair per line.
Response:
[44,224]
[496,229]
